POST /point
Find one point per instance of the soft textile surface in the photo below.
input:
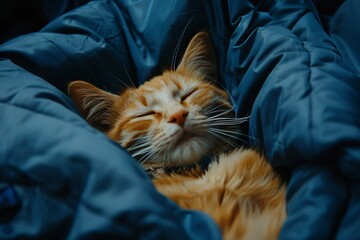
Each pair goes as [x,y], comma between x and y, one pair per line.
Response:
[297,79]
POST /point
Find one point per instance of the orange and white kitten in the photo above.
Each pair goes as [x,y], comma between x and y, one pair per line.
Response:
[176,119]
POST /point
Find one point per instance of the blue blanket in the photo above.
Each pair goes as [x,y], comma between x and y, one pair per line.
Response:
[292,65]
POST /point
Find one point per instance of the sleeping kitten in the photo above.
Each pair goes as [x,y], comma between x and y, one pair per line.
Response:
[175,120]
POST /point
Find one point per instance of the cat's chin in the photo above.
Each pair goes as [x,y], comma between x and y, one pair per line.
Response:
[188,149]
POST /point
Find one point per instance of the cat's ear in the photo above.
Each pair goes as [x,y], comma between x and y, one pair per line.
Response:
[199,57]
[94,104]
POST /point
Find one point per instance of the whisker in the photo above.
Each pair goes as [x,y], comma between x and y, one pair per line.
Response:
[148,156]
[137,146]
[237,120]
[213,109]
[221,114]
[145,158]
[222,124]
[223,133]
[142,151]
[133,139]
[127,73]
[234,105]
[176,50]
[130,88]
[231,143]
[226,131]
[155,148]
[177,47]
[238,137]
[118,79]
[220,121]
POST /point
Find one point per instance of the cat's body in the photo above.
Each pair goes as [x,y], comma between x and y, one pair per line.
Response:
[240,191]
[175,120]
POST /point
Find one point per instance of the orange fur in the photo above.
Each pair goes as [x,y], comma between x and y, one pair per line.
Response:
[174,120]
[240,191]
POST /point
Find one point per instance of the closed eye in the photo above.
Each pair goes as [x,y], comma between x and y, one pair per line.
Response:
[146,114]
[183,98]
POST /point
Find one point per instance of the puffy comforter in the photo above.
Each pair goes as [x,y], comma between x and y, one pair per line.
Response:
[292,65]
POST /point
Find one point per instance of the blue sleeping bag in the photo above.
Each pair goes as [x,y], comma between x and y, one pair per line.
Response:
[292,65]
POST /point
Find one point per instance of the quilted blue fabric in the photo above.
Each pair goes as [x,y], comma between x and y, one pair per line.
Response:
[291,65]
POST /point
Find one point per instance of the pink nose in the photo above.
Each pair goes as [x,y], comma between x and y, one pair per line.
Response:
[178,117]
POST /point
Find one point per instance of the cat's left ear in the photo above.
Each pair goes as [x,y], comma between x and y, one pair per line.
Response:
[94,104]
[199,58]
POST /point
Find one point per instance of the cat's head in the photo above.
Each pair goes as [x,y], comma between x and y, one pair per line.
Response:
[173,119]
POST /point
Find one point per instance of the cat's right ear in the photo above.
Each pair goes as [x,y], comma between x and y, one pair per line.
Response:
[94,104]
[199,57]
